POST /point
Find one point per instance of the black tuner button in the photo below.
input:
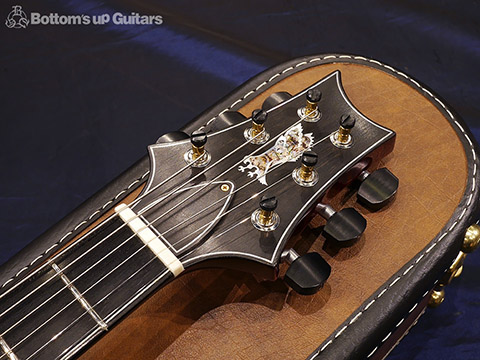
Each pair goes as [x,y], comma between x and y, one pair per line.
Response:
[344,226]
[314,95]
[307,273]
[198,138]
[347,122]
[172,137]
[259,116]
[268,203]
[309,158]
[377,188]
[226,120]
[275,99]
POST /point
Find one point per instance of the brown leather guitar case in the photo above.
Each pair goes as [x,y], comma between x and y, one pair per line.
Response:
[378,287]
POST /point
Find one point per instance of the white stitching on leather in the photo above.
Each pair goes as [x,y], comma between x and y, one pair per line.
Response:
[453,119]
[355,318]
[405,334]
[388,68]
[372,352]
[408,269]
[413,308]
[324,346]
[69,233]
[340,332]
[386,337]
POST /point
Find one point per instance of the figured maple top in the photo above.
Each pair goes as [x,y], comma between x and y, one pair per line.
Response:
[223,314]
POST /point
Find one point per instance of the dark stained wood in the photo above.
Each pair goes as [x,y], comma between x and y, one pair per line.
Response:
[227,314]
[43,319]
[116,271]
[234,236]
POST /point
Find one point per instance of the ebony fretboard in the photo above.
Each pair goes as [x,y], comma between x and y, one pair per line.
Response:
[79,295]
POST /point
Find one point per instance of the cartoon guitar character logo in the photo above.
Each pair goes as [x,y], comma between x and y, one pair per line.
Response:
[17,18]
[288,147]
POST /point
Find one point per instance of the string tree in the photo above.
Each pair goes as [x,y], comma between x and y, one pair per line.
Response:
[257,134]
[198,156]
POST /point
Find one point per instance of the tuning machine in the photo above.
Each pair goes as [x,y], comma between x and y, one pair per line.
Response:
[344,226]
[342,137]
[265,218]
[310,112]
[307,273]
[376,188]
[197,156]
[306,175]
[257,134]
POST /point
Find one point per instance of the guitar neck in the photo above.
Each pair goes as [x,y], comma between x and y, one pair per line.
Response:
[79,294]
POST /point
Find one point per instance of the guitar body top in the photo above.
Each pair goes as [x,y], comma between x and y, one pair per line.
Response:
[378,287]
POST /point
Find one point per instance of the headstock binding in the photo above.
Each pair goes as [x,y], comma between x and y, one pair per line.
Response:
[234,242]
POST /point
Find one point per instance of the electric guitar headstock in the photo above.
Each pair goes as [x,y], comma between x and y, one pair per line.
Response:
[231,194]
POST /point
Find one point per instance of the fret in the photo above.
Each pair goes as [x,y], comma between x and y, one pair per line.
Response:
[125,268]
[40,318]
[83,291]
[80,298]
[7,350]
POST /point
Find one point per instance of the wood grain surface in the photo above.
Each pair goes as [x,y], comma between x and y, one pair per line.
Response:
[222,314]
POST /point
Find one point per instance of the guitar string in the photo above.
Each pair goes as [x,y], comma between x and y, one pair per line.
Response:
[209,206]
[171,246]
[125,241]
[105,297]
[83,293]
[100,261]
[68,247]
[136,216]
[150,261]
[135,202]
[118,286]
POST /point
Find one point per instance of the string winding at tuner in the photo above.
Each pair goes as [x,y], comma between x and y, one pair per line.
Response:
[231,230]
[152,259]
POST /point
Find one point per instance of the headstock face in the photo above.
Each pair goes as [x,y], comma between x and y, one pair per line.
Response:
[215,222]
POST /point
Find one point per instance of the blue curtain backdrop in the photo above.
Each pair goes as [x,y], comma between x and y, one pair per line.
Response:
[79,104]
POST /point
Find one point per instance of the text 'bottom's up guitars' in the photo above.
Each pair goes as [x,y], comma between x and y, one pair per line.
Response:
[343,185]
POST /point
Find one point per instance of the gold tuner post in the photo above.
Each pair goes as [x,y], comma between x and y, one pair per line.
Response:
[342,137]
[306,175]
[265,218]
[257,133]
[197,156]
[311,113]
